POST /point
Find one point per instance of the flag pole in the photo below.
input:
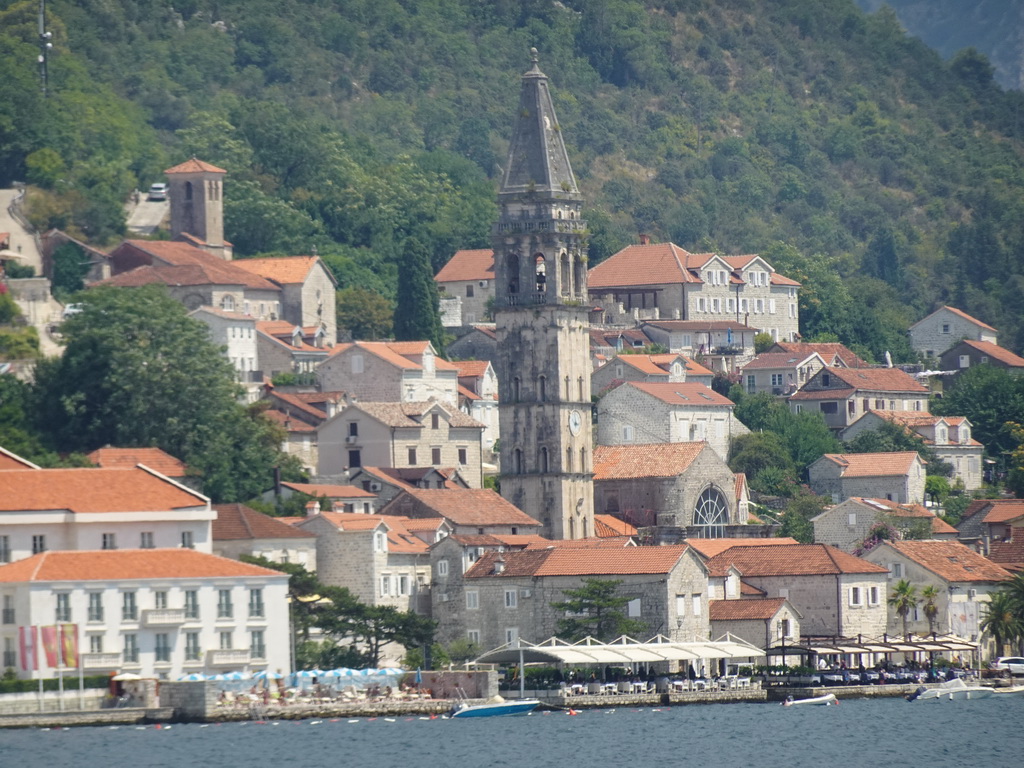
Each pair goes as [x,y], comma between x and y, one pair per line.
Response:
[81,666]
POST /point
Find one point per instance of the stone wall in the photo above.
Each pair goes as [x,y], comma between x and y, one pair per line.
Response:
[942,329]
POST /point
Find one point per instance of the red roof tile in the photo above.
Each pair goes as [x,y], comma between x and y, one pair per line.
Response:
[609,525]
[283,270]
[122,564]
[655,264]
[1005,510]
[331,491]
[959,313]
[1008,554]
[625,462]
[778,360]
[710,547]
[688,393]
[468,506]
[237,521]
[745,610]
[1004,356]
[573,561]
[194,165]
[126,458]
[93,490]
[829,351]
[792,560]
[878,379]
[950,560]
[214,270]
[468,265]
[10,460]
[874,464]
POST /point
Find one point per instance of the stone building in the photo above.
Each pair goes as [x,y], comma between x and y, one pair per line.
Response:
[390,372]
[478,397]
[661,281]
[290,349]
[779,373]
[643,368]
[240,530]
[897,476]
[506,596]
[541,318]
[467,511]
[949,436]
[196,191]
[834,354]
[681,412]
[843,395]
[992,520]
[685,487]
[236,333]
[964,581]
[764,622]
[720,345]
[835,593]
[847,525]
[946,326]
[401,434]
[969,353]
[307,291]
[466,283]
[478,343]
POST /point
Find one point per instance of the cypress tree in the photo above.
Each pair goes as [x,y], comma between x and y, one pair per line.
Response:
[417,309]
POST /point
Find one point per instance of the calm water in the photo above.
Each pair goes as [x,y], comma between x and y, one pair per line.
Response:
[855,734]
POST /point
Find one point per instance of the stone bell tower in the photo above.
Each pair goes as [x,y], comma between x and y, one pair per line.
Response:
[541,314]
[197,205]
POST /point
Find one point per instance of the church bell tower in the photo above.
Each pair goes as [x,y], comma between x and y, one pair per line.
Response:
[541,314]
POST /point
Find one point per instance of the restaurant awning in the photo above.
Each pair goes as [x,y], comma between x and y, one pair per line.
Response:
[623,650]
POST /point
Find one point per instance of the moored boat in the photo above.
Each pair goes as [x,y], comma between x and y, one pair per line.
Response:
[822,701]
[1017,690]
[952,690]
[494,708]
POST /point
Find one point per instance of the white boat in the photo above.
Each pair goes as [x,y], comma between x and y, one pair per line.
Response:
[952,690]
[494,708]
[1017,690]
[821,701]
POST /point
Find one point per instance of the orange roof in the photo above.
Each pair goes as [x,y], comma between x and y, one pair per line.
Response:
[10,460]
[283,270]
[745,610]
[237,521]
[694,368]
[608,525]
[194,165]
[401,538]
[285,420]
[1004,511]
[688,393]
[654,264]
[707,548]
[829,351]
[778,360]
[468,265]
[469,506]
[331,491]
[124,564]
[877,379]
[472,368]
[126,458]
[950,560]
[959,313]
[627,462]
[92,490]
[575,561]
[791,560]
[1009,554]
[643,363]
[1004,356]
[196,264]
[874,464]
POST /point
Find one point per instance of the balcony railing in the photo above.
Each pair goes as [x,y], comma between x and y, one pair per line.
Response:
[227,657]
[101,661]
[163,617]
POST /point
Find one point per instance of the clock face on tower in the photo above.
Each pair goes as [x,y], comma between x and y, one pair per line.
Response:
[575,422]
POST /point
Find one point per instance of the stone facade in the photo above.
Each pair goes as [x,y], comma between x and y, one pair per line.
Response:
[946,326]
[779,373]
[844,395]
[719,345]
[196,192]
[467,281]
[897,477]
[969,353]
[236,333]
[846,525]
[390,372]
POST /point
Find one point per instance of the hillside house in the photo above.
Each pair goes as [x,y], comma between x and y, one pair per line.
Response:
[307,291]
[779,373]
[936,333]
[466,285]
[843,395]
[847,525]
[969,353]
[467,511]
[240,530]
[390,372]
[719,345]
[897,476]
[992,520]
[834,354]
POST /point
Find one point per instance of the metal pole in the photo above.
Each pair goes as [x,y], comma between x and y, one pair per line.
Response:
[522,673]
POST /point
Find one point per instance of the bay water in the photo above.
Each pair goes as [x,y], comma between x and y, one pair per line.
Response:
[860,733]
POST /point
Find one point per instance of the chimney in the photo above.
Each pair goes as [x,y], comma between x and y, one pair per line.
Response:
[499,564]
[312,508]
[338,506]
[645,239]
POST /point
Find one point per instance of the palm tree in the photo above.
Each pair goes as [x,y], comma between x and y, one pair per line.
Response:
[903,599]
[1001,620]
[928,597]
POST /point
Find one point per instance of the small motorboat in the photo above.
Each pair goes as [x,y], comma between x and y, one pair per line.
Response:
[494,708]
[952,690]
[1017,690]
[822,701]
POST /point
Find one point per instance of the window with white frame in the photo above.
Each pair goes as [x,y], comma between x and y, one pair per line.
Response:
[856,598]
[162,646]
[187,540]
[95,643]
[695,602]
[633,608]
[131,649]
[778,379]
[442,567]
[472,599]
[716,305]
[146,540]
[63,612]
[473,635]
[109,541]
[771,306]
[680,605]
[380,542]
[256,608]
[896,570]
[965,361]
[38,544]
[511,598]
[873,597]
[160,599]
[702,304]
[95,610]
[627,433]
[227,640]
[192,652]
[191,604]
[403,584]
[385,585]
[257,644]
[129,609]
[225,609]
[511,635]
[5,549]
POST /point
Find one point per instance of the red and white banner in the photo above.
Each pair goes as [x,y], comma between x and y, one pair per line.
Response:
[28,647]
[51,646]
[69,644]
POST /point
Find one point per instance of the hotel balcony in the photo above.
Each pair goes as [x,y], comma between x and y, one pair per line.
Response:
[163,617]
[101,661]
[234,657]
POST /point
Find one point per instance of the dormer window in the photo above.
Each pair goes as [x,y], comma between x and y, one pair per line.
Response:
[826,380]
[227,303]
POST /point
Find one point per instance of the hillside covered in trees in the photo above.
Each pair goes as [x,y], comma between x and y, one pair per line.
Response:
[856,159]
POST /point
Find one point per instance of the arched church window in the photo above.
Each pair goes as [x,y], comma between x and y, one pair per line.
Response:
[515,389]
[542,388]
[517,461]
[513,273]
[188,190]
[565,273]
[544,460]
[711,514]
[579,274]
[541,273]
[228,303]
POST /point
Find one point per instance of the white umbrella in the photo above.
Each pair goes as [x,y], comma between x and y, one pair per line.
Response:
[264,674]
[126,676]
[184,678]
[308,674]
[7,254]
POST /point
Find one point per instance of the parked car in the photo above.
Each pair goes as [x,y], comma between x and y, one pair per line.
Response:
[1013,665]
[157,191]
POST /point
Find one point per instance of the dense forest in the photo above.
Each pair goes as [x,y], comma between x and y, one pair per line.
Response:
[855,158]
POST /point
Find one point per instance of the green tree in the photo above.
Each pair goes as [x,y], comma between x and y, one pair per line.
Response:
[1002,620]
[989,397]
[137,371]
[365,314]
[796,518]
[930,606]
[417,310]
[70,266]
[903,599]
[595,610]
[763,342]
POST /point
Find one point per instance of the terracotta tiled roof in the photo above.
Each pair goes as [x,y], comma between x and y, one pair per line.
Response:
[643,363]
[10,460]
[1004,356]
[387,475]
[124,564]
[410,414]
[829,351]
[1008,554]
[215,270]
[823,394]
[625,462]
[398,354]
[237,521]
[1004,511]
[655,264]
[285,420]
[696,369]
[292,401]
[283,270]
[938,525]
[609,525]
[778,279]
[591,542]
[750,590]
[792,560]
[698,326]
[468,265]
[779,360]
[486,330]
[331,491]
[92,490]
[686,393]
[471,507]
[707,548]
[401,538]
[950,560]
[194,165]
[878,379]
[126,458]
[959,313]
[745,610]
[572,561]
[472,368]
[874,464]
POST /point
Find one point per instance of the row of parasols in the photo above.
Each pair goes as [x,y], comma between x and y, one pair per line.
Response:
[304,675]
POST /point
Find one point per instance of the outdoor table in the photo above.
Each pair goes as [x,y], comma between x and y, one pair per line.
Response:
[609,687]
[700,685]
[577,689]
[679,685]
